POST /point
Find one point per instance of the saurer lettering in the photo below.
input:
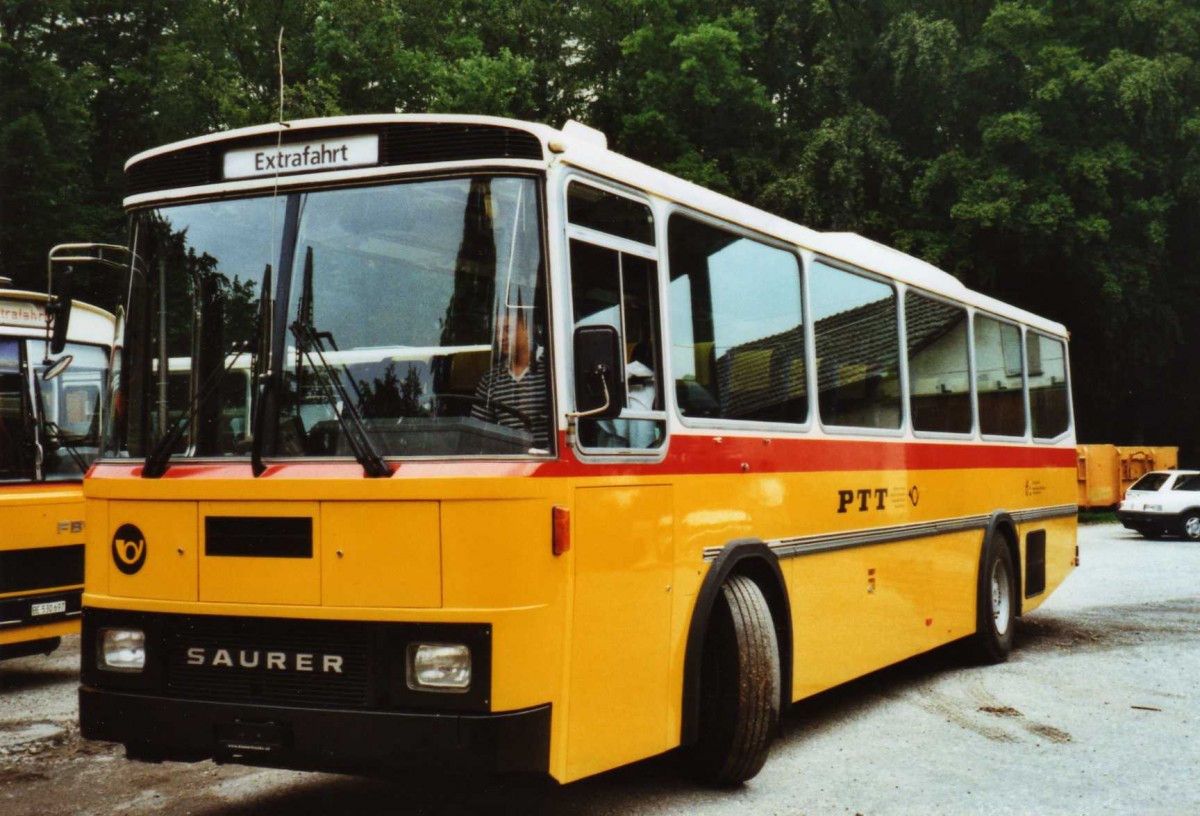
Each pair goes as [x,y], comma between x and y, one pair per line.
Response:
[269,661]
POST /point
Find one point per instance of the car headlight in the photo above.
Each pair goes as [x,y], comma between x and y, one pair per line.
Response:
[122,650]
[439,667]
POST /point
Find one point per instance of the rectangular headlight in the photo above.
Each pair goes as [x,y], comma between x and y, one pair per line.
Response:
[439,667]
[122,650]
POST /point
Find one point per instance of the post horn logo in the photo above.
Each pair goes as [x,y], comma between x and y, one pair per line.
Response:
[129,549]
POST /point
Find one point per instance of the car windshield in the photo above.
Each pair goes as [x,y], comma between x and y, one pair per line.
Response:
[1151,481]
[414,319]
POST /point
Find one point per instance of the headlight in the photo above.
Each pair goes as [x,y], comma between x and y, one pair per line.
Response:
[122,650]
[439,667]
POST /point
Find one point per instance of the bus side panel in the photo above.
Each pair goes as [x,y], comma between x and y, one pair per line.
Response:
[858,610]
[620,648]
[35,522]
[1060,551]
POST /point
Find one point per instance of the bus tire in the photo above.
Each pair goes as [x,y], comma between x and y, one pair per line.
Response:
[739,686]
[997,605]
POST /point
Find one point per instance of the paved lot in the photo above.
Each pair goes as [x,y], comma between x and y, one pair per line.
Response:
[1097,712]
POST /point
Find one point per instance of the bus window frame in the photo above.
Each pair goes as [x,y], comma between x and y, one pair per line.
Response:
[1070,429]
[752,426]
[902,354]
[574,232]
[1027,437]
[966,436]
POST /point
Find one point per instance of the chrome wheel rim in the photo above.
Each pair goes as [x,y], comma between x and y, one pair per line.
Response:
[1001,597]
[1192,527]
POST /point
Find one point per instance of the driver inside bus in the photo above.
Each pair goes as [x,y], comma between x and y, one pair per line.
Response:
[514,392]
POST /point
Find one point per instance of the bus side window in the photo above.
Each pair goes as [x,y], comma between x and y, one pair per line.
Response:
[621,290]
[999,378]
[737,329]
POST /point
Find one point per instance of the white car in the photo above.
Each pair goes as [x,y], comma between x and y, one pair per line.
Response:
[1164,502]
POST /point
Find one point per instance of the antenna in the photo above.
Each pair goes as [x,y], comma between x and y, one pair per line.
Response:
[279,51]
[278,147]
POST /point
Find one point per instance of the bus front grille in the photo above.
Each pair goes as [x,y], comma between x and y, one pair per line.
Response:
[309,663]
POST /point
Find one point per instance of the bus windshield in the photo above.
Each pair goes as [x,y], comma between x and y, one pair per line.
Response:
[416,317]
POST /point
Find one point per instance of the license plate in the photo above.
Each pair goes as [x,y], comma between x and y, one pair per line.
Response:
[48,608]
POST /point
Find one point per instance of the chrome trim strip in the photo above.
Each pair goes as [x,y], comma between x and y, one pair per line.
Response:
[1043,513]
[829,542]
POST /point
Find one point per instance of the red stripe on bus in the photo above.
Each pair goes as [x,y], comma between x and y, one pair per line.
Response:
[687,455]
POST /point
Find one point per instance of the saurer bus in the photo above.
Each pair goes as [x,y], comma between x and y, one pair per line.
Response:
[494,448]
[51,412]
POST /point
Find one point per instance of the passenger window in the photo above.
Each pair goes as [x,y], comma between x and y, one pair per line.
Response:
[619,289]
[858,349]
[606,212]
[1048,407]
[737,331]
[999,383]
[938,365]
[1191,483]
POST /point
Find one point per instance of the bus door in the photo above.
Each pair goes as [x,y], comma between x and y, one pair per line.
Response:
[622,533]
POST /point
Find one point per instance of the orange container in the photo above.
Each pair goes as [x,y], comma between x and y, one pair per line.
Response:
[1097,475]
[1135,462]
[1165,458]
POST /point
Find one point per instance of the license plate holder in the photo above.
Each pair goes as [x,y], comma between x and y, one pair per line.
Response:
[47,608]
[243,738]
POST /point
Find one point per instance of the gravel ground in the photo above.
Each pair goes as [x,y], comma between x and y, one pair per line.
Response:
[1096,712]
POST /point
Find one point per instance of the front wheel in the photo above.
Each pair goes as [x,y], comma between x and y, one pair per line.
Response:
[739,686]
[1191,525]
[997,604]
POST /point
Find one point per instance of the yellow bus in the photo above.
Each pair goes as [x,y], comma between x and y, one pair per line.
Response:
[51,412]
[551,461]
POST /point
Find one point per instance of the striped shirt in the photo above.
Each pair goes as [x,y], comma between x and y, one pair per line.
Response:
[499,390]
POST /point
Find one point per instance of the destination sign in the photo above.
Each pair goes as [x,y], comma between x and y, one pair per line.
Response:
[24,315]
[305,157]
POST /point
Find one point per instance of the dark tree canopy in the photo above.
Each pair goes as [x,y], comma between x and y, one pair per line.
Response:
[1046,152]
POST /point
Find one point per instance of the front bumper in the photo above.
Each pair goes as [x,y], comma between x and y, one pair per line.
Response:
[159,728]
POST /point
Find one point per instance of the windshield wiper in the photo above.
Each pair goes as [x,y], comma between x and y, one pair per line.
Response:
[260,380]
[308,340]
[54,434]
[156,461]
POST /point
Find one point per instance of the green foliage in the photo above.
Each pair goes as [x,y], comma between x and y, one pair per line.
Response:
[1047,152]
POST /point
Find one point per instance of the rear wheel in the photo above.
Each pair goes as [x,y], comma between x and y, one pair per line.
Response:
[739,686]
[997,605]
[1191,525]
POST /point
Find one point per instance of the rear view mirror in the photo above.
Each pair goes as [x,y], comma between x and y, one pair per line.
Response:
[58,367]
[599,386]
[58,311]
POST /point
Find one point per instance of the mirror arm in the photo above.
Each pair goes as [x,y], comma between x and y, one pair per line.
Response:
[601,370]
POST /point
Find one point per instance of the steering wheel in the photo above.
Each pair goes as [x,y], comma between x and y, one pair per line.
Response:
[527,423]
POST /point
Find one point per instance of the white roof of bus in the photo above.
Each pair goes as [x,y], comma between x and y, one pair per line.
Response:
[95,327]
[585,148]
